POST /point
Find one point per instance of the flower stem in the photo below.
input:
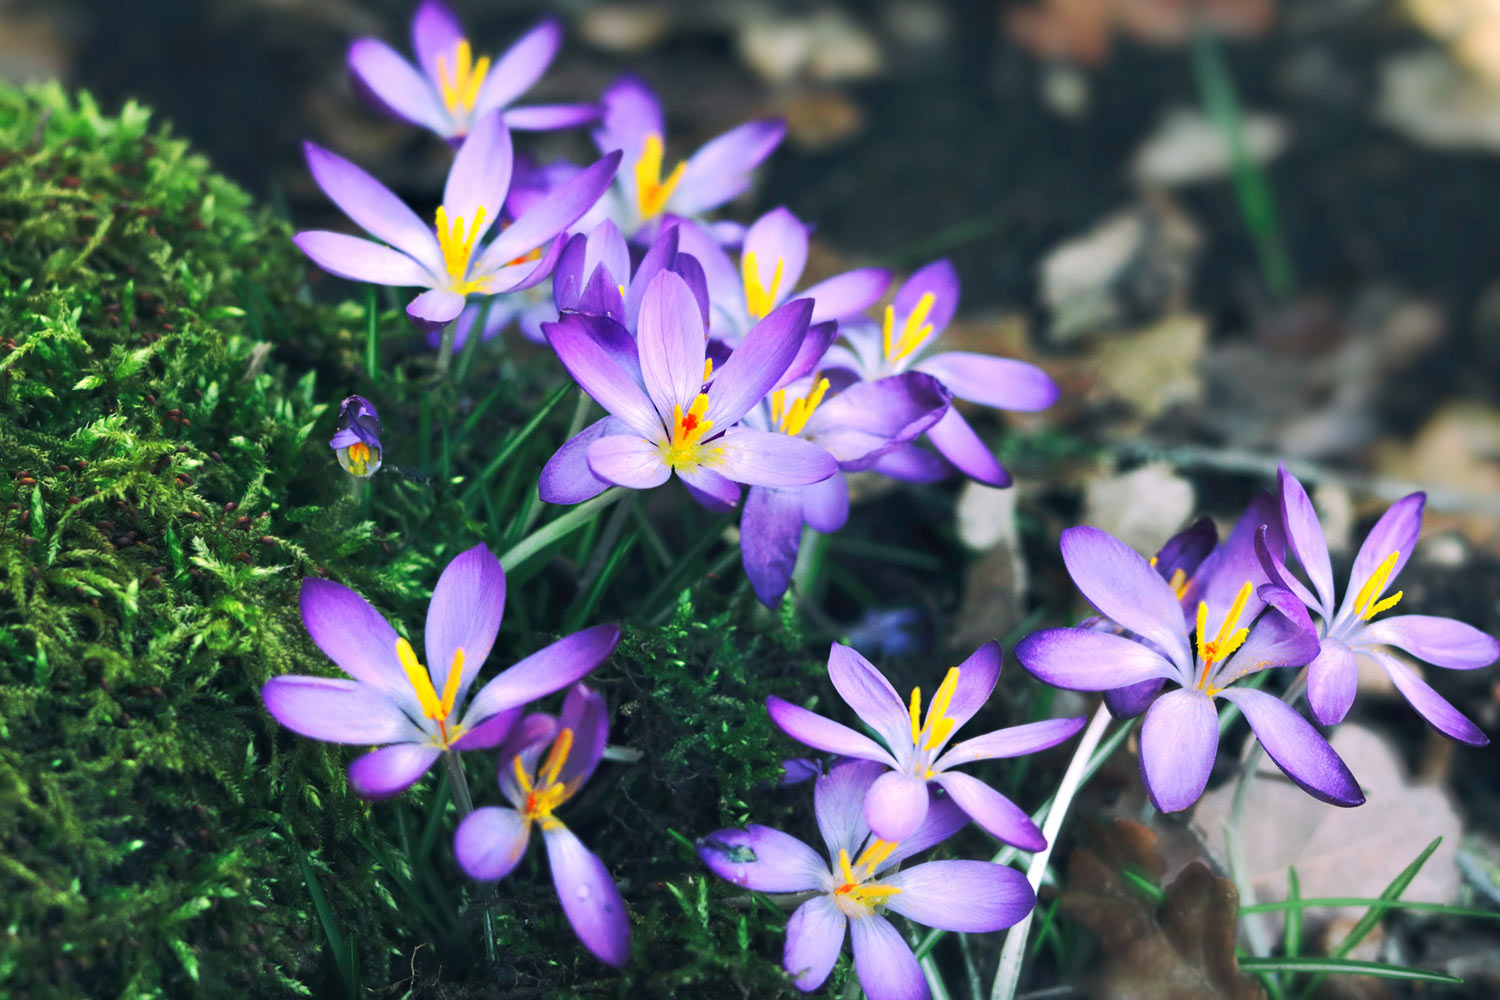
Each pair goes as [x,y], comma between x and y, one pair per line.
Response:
[457,783]
[1014,953]
[445,349]
[553,530]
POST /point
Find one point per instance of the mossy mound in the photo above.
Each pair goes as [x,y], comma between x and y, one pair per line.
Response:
[165,391]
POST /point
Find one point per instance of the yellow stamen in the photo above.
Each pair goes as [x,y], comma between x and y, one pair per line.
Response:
[759,299]
[854,888]
[432,708]
[1365,602]
[939,725]
[457,247]
[461,90]
[915,330]
[914,708]
[708,369]
[793,420]
[450,686]
[1228,639]
[522,778]
[688,429]
[621,290]
[874,854]
[557,756]
[651,192]
[1179,582]
[545,794]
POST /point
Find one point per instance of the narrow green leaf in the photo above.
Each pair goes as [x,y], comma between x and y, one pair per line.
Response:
[1344,966]
[1293,936]
[515,441]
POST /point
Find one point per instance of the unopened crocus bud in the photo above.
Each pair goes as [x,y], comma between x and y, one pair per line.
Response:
[357,443]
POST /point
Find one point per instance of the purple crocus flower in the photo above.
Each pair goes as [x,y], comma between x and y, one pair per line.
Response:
[413,713]
[772,258]
[923,307]
[594,276]
[673,411]
[357,440]
[855,426]
[717,173]
[914,746]
[860,882]
[491,841]
[450,91]
[1348,632]
[1180,734]
[450,261]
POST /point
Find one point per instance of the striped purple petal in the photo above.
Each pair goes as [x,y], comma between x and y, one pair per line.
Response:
[588,896]
[1179,740]
[490,842]
[1297,748]
[520,66]
[814,938]
[464,616]
[389,771]
[763,859]
[967,896]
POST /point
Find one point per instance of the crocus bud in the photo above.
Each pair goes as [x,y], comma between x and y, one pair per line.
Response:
[357,443]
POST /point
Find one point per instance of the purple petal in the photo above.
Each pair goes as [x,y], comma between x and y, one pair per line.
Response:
[720,170]
[958,443]
[998,815]
[886,966]
[566,478]
[1441,641]
[777,238]
[558,210]
[1080,660]
[1233,564]
[868,419]
[770,535]
[434,309]
[1004,383]
[1132,699]
[913,464]
[600,374]
[488,734]
[520,67]
[353,635]
[586,714]
[588,896]
[1289,604]
[763,859]
[814,937]
[725,288]
[1429,704]
[374,208]
[758,363]
[976,681]
[464,614]
[825,505]
[967,896]
[810,354]
[672,343]
[480,176]
[761,458]
[1297,748]
[1332,680]
[490,842]
[628,460]
[1179,740]
[361,260]
[631,113]
[605,247]
[337,711]
[1396,531]
[1274,641]
[823,734]
[847,294]
[1304,536]
[528,273]
[551,117]
[435,31]
[896,805]
[1121,584]
[715,492]
[391,770]
[839,802]
[692,272]
[396,84]
[549,669]
[866,690]
[1014,741]
[944,819]
[941,280]
[1281,578]
[1187,549]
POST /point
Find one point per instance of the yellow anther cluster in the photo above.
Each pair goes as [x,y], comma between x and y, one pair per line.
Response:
[1222,646]
[1367,603]
[433,707]
[938,726]
[651,192]
[688,430]
[461,88]
[759,299]
[915,330]
[545,793]
[792,419]
[457,245]
[855,888]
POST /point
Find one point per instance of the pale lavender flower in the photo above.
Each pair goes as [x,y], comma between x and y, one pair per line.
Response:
[450,90]
[914,746]
[491,841]
[861,881]
[414,713]
[449,262]
[356,443]
[1348,632]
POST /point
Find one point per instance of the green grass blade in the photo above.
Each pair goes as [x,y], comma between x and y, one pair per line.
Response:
[1292,940]
[372,336]
[515,441]
[1344,966]
[344,957]
[1314,902]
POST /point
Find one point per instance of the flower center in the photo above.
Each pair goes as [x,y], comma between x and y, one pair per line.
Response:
[915,330]
[435,708]
[457,245]
[651,192]
[759,299]
[929,734]
[1222,646]
[359,459]
[545,793]
[1367,603]
[857,896]
[461,88]
[791,419]
[688,430]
